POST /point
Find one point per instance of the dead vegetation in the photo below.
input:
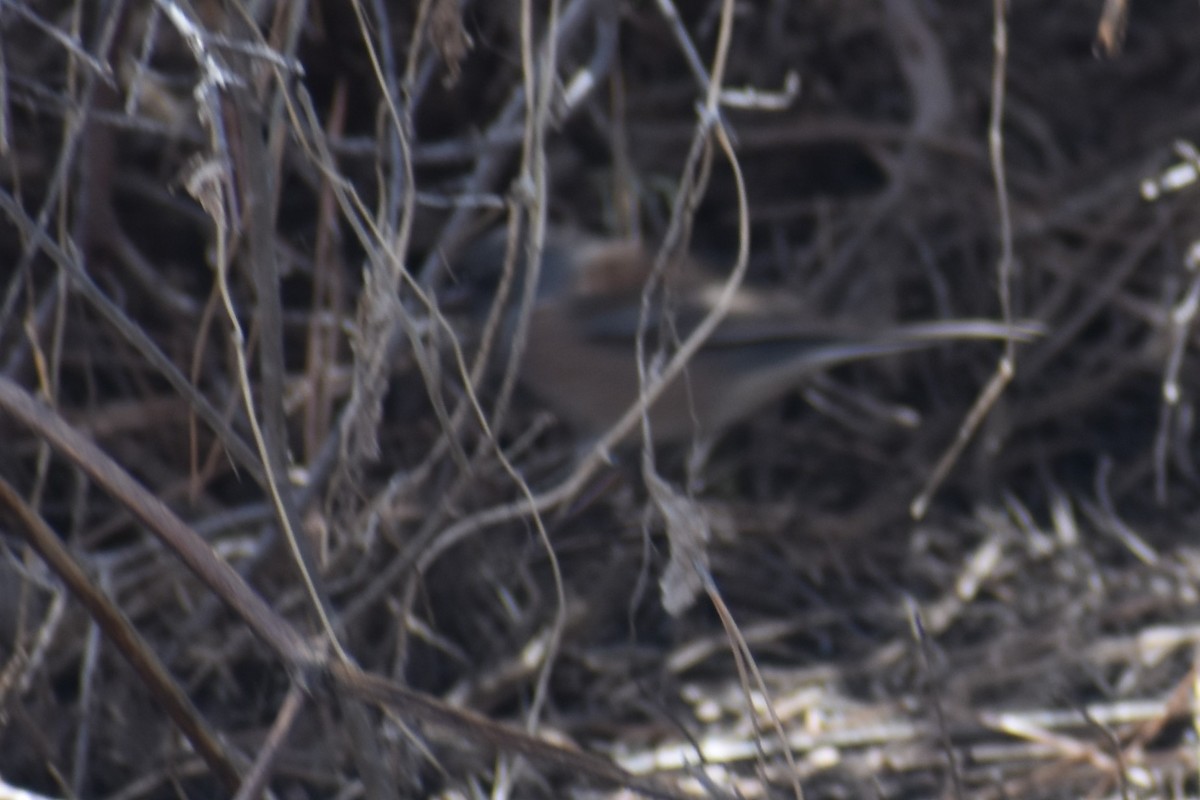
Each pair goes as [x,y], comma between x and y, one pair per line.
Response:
[256,538]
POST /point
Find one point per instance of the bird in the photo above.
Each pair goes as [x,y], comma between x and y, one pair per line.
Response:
[579,354]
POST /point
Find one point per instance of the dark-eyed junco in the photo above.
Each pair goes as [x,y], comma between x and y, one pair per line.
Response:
[579,352]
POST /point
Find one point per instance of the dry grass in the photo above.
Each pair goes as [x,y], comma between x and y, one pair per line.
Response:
[225,234]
